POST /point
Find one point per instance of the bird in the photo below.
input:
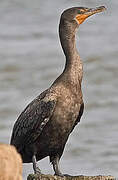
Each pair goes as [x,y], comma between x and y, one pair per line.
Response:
[44,126]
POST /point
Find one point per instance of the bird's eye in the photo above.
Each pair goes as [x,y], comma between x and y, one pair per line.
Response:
[79,11]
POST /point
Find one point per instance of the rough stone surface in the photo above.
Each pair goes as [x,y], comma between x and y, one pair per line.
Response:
[80,177]
[10,163]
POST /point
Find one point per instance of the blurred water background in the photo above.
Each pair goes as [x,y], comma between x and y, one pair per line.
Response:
[31,58]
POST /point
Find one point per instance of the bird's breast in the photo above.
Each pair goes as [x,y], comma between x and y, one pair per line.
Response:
[66,112]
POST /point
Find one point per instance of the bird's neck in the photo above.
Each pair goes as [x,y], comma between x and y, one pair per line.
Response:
[73,63]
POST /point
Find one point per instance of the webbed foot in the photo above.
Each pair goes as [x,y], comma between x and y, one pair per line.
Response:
[59,174]
[36,169]
[55,163]
[67,175]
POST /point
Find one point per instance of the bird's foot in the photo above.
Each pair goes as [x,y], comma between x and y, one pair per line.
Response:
[37,171]
[59,174]
[35,167]
[67,175]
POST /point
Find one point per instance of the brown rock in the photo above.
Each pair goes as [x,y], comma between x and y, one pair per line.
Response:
[80,177]
[10,163]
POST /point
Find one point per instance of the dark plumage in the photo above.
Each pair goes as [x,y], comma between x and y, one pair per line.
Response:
[44,126]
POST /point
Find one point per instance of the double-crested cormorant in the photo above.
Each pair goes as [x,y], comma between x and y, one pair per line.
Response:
[43,128]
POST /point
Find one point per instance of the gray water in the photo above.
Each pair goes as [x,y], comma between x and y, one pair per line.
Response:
[31,58]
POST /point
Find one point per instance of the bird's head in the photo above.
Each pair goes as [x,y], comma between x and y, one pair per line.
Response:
[77,15]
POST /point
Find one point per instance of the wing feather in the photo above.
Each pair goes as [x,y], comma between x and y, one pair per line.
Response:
[31,122]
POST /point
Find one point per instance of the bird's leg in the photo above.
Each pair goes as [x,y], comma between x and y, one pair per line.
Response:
[36,169]
[55,163]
